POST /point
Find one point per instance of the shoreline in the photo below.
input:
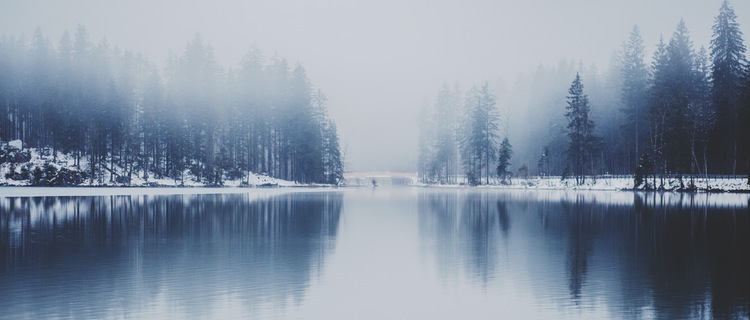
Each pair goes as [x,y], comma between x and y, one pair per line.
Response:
[72,191]
[723,185]
[499,187]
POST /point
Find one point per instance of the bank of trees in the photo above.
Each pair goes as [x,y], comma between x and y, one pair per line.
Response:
[693,106]
[439,124]
[461,131]
[685,111]
[118,116]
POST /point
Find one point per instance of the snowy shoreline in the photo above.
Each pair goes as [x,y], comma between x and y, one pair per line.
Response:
[28,167]
[31,167]
[34,191]
[717,185]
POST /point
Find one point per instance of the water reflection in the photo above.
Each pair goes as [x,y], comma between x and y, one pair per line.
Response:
[151,256]
[631,255]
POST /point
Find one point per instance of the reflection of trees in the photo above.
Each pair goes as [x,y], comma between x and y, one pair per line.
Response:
[673,255]
[663,255]
[479,226]
[467,229]
[581,230]
[437,217]
[125,252]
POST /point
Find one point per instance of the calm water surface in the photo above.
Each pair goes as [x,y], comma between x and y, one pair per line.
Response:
[385,253]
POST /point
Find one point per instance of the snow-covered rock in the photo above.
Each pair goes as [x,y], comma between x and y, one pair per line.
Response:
[18,144]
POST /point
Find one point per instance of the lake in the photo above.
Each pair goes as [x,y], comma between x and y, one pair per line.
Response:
[373,253]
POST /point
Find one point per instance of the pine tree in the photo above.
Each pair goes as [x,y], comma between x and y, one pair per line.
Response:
[543,165]
[681,74]
[744,114]
[426,140]
[583,143]
[193,86]
[700,114]
[444,162]
[333,160]
[80,98]
[63,111]
[42,79]
[672,94]
[153,127]
[252,113]
[110,108]
[634,90]
[728,53]
[479,134]
[439,135]
[658,106]
[503,161]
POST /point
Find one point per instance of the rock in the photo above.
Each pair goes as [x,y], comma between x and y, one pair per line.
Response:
[18,144]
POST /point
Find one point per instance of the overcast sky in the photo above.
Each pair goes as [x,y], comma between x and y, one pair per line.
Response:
[377,60]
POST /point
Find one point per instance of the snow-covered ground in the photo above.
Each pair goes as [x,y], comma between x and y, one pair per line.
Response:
[64,161]
[366,178]
[41,160]
[615,183]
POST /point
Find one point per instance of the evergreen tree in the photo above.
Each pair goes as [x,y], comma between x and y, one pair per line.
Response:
[80,96]
[445,135]
[503,161]
[673,91]
[333,162]
[543,165]
[63,111]
[438,137]
[153,124]
[112,112]
[728,53]
[744,115]
[701,115]
[305,132]
[194,84]
[681,75]
[642,172]
[479,134]
[426,152]
[583,144]
[634,91]
[41,77]
[253,114]
[658,106]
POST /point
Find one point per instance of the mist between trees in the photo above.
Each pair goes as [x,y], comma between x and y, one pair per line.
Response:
[684,112]
[112,110]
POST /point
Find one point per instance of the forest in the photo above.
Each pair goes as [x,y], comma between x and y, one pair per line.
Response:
[684,112]
[117,116]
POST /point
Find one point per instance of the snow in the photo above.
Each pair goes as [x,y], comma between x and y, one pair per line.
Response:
[16,144]
[361,178]
[610,183]
[20,191]
[41,158]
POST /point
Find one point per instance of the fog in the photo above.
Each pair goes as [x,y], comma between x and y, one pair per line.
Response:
[378,61]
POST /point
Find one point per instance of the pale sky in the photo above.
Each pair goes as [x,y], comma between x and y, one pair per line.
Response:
[376,61]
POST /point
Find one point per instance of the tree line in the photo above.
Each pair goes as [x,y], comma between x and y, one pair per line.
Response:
[118,116]
[686,112]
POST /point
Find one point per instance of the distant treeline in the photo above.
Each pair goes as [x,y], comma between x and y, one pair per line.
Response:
[685,112]
[113,109]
